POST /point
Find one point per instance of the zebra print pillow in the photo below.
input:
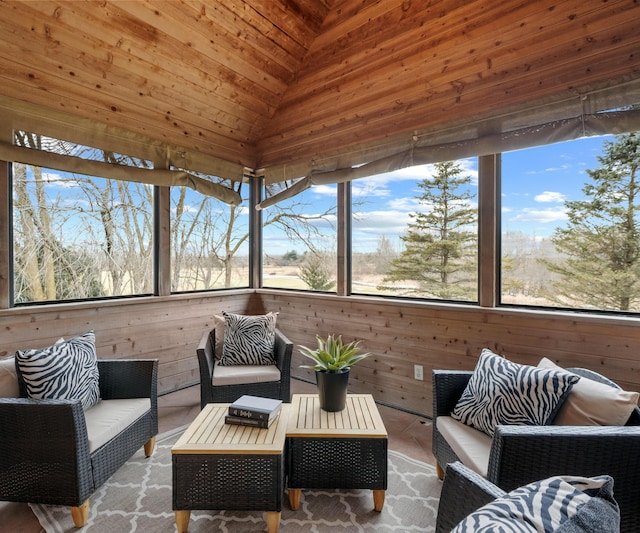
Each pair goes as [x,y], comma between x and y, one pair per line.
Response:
[67,370]
[503,392]
[248,340]
[561,504]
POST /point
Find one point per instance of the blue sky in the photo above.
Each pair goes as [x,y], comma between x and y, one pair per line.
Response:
[535,184]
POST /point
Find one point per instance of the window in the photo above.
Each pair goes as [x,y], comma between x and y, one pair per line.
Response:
[415,232]
[299,241]
[570,225]
[75,236]
[209,242]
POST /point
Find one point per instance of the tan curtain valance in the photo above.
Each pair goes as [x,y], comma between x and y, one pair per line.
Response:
[18,115]
[167,178]
[581,116]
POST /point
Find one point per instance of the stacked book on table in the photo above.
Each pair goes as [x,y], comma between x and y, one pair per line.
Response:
[253,411]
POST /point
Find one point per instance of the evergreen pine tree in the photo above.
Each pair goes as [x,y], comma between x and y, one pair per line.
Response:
[601,242]
[441,243]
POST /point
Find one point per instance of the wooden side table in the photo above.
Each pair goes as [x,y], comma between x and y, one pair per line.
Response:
[223,466]
[341,450]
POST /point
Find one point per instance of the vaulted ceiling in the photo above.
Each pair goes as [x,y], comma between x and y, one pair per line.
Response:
[272,82]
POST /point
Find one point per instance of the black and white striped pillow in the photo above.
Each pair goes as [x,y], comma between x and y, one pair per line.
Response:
[248,340]
[67,370]
[503,392]
[557,504]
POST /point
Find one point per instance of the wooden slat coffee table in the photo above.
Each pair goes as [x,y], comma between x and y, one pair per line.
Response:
[221,466]
[342,450]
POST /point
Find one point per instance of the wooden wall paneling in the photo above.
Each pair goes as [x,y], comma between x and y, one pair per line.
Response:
[478,70]
[401,334]
[264,83]
[166,328]
[103,91]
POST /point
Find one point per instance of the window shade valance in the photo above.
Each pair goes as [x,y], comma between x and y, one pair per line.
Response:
[167,178]
[603,111]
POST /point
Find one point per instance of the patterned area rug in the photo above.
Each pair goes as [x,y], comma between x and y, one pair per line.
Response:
[138,499]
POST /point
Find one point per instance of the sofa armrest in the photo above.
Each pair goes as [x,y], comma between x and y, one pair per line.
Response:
[522,454]
[448,386]
[44,451]
[463,492]
[128,378]
[282,352]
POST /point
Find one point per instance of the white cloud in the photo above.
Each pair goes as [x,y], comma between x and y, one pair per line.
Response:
[540,215]
[381,222]
[550,197]
[406,203]
[324,190]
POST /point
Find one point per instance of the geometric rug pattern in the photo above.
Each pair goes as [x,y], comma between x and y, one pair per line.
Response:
[138,499]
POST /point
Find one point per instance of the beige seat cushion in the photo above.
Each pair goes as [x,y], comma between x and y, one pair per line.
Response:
[472,446]
[591,403]
[238,374]
[8,378]
[109,417]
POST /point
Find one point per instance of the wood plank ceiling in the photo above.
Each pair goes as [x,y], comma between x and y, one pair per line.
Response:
[268,82]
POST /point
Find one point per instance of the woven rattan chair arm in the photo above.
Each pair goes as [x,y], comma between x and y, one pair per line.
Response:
[43,450]
[128,378]
[283,351]
[522,454]
[463,491]
[448,386]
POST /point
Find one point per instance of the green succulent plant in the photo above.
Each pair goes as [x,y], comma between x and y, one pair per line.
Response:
[332,355]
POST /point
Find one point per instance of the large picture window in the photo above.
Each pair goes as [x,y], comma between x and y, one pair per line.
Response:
[299,241]
[209,242]
[77,236]
[415,232]
[571,225]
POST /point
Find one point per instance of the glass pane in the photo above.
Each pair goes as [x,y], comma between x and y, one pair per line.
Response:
[77,237]
[209,242]
[415,232]
[299,239]
[570,225]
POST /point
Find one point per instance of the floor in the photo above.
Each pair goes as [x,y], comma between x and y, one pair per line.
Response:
[408,434]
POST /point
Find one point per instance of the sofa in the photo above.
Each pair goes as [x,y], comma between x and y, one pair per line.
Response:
[515,454]
[56,450]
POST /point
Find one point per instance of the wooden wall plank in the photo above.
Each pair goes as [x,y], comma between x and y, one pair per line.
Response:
[401,334]
[398,334]
[166,328]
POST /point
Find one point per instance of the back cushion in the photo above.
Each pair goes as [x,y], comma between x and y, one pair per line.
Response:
[503,392]
[8,378]
[591,403]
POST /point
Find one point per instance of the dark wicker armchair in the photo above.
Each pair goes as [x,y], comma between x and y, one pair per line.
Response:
[45,454]
[212,393]
[463,492]
[522,454]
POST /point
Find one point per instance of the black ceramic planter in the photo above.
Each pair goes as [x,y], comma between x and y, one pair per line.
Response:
[332,389]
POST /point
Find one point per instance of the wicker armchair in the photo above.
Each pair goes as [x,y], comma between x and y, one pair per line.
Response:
[212,393]
[45,454]
[522,454]
[463,492]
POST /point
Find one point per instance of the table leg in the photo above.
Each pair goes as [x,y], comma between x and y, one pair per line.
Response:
[182,521]
[273,521]
[378,500]
[294,499]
